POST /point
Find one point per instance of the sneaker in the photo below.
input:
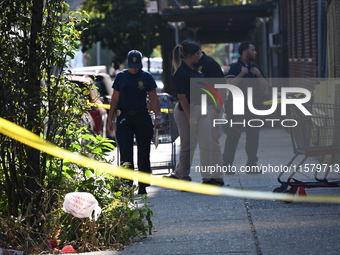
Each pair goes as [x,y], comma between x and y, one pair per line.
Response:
[142,190]
[171,176]
[214,182]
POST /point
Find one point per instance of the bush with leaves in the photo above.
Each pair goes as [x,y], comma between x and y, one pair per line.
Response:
[122,219]
[36,39]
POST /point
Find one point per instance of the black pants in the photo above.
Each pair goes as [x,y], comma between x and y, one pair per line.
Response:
[137,126]
[233,137]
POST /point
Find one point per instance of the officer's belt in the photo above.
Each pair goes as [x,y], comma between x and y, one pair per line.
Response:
[133,112]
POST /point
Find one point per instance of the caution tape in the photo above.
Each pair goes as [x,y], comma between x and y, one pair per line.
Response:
[270,102]
[107,106]
[24,136]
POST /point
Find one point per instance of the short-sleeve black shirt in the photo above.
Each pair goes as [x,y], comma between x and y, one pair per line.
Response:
[133,89]
[235,69]
[209,67]
[182,79]
[249,80]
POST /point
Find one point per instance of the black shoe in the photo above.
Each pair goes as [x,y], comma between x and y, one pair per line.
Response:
[172,176]
[214,182]
[142,190]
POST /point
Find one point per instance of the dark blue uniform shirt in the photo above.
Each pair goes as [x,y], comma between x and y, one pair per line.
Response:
[235,69]
[209,67]
[133,89]
[249,80]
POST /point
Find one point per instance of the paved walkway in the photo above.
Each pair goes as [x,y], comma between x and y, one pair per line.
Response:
[190,223]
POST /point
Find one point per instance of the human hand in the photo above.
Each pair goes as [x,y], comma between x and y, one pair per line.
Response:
[110,126]
[215,112]
[158,123]
[244,70]
[255,71]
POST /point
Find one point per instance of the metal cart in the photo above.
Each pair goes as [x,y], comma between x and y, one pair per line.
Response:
[167,134]
[314,135]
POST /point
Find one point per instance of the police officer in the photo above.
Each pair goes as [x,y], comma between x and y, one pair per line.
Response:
[211,69]
[129,104]
[244,74]
[193,127]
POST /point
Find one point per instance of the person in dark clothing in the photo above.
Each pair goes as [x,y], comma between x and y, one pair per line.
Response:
[129,105]
[243,74]
[193,128]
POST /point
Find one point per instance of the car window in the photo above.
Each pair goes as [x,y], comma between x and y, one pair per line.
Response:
[157,76]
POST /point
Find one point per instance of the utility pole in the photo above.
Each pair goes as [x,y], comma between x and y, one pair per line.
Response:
[151,7]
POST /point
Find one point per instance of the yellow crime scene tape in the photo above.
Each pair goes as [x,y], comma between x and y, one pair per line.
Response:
[270,102]
[107,106]
[24,136]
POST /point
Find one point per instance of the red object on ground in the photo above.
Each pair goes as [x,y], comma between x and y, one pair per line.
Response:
[52,243]
[68,249]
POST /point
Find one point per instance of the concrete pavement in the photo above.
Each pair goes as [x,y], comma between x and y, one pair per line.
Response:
[190,223]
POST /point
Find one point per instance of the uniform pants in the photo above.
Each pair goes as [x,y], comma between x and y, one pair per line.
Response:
[135,126]
[233,137]
[216,150]
[189,138]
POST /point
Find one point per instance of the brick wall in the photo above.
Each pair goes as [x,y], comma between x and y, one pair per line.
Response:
[299,34]
[283,30]
[333,18]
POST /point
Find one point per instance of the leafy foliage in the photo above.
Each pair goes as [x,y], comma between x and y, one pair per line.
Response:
[122,25]
[37,38]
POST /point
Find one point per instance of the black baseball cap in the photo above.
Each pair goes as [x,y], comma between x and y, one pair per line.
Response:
[134,59]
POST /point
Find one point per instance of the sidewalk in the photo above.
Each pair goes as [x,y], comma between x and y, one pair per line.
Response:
[190,223]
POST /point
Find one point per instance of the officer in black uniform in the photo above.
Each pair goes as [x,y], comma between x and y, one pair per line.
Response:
[244,74]
[129,104]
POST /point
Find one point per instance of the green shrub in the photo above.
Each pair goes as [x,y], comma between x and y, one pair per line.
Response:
[37,37]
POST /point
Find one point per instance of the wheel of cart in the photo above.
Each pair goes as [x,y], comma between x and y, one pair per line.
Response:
[312,135]
[167,134]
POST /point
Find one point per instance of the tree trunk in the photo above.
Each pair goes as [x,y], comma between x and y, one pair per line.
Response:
[33,107]
[167,67]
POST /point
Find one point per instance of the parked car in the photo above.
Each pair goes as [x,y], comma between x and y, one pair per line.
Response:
[96,117]
[157,75]
[102,80]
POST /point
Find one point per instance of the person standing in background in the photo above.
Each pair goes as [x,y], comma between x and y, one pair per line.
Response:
[211,69]
[244,74]
[193,127]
